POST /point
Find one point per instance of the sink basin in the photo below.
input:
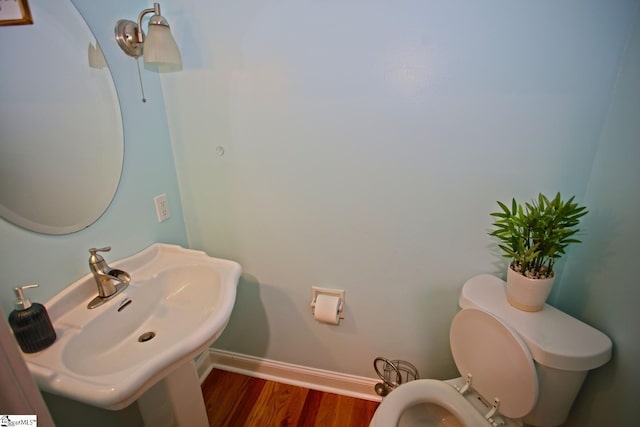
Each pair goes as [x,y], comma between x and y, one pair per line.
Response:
[177,305]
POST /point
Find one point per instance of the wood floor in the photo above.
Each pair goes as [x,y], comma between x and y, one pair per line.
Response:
[236,400]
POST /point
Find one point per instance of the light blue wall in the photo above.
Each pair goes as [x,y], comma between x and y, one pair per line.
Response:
[365,145]
[130,224]
[600,283]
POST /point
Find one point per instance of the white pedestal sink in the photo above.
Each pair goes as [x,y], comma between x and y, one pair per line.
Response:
[140,345]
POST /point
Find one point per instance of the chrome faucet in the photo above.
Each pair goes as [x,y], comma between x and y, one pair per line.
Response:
[110,281]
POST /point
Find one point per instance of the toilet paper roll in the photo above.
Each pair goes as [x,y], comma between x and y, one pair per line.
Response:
[326,310]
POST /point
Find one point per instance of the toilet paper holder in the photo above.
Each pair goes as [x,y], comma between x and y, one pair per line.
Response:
[315,291]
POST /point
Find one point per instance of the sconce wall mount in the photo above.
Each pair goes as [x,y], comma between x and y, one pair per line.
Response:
[129,34]
[127,37]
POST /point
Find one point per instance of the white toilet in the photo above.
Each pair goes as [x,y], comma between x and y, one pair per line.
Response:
[516,367]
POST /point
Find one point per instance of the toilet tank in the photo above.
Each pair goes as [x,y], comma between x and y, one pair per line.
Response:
[563,348]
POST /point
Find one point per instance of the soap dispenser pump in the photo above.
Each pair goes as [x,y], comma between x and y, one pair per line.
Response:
[30,323]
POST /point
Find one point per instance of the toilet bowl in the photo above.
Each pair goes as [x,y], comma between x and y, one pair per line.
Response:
[429,403]
[515,367]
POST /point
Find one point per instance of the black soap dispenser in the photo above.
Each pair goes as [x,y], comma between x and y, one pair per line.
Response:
[30,323]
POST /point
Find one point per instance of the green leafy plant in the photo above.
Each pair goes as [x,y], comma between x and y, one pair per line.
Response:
[535,235]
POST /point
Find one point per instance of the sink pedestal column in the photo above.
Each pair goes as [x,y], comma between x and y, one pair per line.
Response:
[175,400]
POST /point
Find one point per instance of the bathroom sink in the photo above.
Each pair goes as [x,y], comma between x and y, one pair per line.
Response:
[177,305]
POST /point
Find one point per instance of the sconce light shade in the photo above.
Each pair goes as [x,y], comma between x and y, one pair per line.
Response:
[158,48]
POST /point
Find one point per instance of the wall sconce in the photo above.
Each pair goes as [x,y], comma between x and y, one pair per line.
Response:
[158,48]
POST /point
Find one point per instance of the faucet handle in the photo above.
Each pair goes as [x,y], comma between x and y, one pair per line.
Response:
[93,251]
[95,259]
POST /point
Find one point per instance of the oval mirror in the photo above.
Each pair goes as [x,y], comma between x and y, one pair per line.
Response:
[61,137]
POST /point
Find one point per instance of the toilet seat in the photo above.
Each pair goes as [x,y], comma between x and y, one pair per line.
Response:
[496,360]
[426,391]
[498,368]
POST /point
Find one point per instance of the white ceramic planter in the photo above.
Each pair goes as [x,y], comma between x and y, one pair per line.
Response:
[527,294]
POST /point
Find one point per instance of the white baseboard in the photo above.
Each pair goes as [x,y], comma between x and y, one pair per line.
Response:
[302,376]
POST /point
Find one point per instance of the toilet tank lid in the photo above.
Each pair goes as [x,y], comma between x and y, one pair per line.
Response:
[554,338]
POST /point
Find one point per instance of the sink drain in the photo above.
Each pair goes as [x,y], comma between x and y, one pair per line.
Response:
[146,336]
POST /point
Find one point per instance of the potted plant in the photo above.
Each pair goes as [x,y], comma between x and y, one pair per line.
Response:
[534,237]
